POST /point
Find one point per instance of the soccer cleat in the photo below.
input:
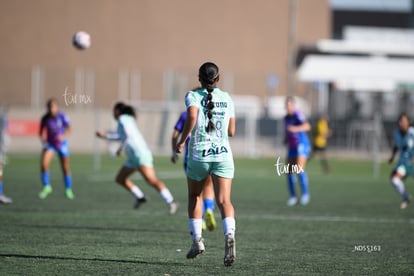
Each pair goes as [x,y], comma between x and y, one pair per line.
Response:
[172,208]
[305,199]
[139,201]
[5,200]
[405,202]
[229,250]
[204,225]
[210,220]
[292,201]
[69,194]
[45,192]
[196,248]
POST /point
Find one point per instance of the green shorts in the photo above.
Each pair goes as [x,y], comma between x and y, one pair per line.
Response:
[136,160]
[404,169]
[198,171]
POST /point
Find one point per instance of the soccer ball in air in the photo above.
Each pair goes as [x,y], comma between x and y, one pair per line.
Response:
[81,40]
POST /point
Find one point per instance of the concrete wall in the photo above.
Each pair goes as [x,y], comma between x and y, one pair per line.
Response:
[248,39]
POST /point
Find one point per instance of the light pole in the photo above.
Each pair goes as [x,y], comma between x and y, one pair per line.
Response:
[291,48]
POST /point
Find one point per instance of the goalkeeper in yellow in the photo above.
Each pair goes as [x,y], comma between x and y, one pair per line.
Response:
[321,133]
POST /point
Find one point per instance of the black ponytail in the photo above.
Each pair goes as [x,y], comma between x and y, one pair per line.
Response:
[129,110]
[208,75]
[125,109]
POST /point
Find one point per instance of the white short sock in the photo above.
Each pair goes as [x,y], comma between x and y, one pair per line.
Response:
[195,226]
[137,192]
[398,184]
[166,195]
[229,225]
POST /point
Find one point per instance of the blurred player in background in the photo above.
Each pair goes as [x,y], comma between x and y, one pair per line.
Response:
[3,144]
[211,121]
[321,133]
[139,157]
[404,145]
[209,221]
[54,130]
[298,144]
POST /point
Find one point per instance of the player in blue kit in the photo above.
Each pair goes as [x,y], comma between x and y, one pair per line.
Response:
[3,141]
[209,221]
[298,145]
[404,145]
[54,129]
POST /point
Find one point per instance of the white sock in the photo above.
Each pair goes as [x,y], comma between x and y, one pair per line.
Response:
[195,228]
[398,184]
[166,195]
[137,192]
[229,225]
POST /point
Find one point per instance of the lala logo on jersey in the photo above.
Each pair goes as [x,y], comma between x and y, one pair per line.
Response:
[214,150]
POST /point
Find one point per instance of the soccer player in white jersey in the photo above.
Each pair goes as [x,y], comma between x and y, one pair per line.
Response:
[211,121]
[404,145]
[139,157]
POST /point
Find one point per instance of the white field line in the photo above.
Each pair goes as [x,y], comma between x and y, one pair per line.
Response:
[328,219]
[341,219]
[179,174]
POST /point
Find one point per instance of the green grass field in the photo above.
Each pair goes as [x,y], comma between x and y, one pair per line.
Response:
[100,234]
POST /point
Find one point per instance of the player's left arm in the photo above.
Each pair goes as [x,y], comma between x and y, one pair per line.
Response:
[231,129]
[68,131]
[304,127]
[66,126]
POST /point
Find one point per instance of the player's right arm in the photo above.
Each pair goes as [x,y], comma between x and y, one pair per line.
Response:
[42,131]
[109,135]
[393,153]
[397,139]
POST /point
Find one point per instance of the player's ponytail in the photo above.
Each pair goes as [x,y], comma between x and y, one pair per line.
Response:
[208,75]
[129,110]
[124,109]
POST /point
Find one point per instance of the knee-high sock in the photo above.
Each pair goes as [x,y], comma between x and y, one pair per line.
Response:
[45,179]
[67,179]
[166,195]
[195,226]
[303,178]
[399,186]
[136,191]
[291,184]
[208,204]
[229,225]
[1,188]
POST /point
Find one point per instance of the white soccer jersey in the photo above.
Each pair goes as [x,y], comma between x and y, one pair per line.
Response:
[405,144]
[130,135]
[210,146]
